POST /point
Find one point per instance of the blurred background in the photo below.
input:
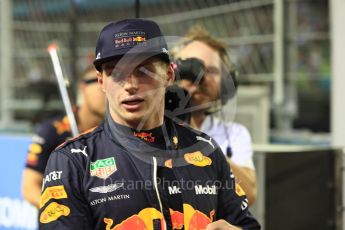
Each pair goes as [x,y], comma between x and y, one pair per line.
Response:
[281,49]
[298,89]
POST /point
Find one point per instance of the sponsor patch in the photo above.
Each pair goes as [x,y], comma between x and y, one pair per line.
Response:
[52,176]
[168,163]
[143,220]
[32,159]
[205,140]
[53,211]
[177,219]
[129,39]
[145,136]
[38,139]
[62,126]
[110,198]
[98,56]
[175,141]
[205,190]
[244,204]
[174,190]
[107,188]
[103,168]
[197,159]
[82,151]
[195,219]
[164,50]
[54,192]
[35,148]
[239,190]
[232,175]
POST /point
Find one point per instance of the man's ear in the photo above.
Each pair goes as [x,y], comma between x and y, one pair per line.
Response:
[100,80]
[170,75]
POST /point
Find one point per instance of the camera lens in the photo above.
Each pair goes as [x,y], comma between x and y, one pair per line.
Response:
[191,69]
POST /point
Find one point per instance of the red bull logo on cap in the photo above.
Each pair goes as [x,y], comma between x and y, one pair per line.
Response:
[129,38]
[139,39]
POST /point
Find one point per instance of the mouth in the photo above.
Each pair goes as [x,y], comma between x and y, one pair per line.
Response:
[132,103]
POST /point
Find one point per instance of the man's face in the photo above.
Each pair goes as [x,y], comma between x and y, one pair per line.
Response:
[206,91]
[93,95]
[135,92]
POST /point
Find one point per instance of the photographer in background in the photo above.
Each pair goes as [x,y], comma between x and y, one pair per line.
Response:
[54,132]
[208,92]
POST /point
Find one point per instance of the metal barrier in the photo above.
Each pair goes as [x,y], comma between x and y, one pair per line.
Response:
[299,187]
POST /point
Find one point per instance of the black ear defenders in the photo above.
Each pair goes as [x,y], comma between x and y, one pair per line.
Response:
[228,85]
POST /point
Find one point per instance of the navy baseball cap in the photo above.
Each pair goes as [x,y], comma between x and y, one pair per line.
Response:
[130,37]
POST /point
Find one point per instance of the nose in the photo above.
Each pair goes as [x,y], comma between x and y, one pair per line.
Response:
[131,83]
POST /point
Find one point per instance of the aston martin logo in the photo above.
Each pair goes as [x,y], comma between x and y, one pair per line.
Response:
[107,188]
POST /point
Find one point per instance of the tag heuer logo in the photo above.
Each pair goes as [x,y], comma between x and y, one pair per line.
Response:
[103,168]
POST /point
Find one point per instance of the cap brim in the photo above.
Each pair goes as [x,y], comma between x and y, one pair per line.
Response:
[145,55]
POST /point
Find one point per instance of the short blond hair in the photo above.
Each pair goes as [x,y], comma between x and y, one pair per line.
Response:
[199,33]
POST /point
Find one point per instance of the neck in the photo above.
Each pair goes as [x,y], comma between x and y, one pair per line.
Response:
[197,119]
[150,121]
[87,119]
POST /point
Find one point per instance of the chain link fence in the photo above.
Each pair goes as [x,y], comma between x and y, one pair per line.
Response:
[247,26]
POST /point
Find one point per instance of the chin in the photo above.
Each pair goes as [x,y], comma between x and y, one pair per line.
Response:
[134,120]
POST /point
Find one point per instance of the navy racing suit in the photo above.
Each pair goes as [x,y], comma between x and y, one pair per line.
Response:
[48,136]
[111,178]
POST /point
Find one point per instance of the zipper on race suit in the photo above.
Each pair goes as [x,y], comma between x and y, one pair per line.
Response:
[156,188]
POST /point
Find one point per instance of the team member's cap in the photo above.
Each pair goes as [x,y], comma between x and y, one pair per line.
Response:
[130,37]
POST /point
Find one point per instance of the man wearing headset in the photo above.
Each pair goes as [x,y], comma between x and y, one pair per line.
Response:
[216,87]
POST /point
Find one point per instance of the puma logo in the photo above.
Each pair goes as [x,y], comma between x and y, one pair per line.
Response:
[80,151]
[205,140]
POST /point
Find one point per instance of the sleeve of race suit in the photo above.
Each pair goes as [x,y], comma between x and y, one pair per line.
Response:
[62,204]
[43,143]
[233,203]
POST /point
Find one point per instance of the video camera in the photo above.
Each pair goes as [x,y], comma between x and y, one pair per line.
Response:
[177,99]
[191,69]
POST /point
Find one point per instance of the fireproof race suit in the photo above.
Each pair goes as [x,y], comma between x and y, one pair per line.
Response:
[111,178]
[48,136]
